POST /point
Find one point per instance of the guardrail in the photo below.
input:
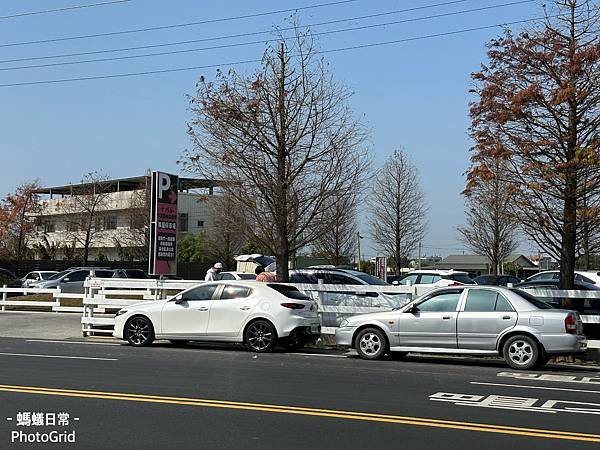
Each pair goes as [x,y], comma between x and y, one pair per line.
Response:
[54,304]
[588,315]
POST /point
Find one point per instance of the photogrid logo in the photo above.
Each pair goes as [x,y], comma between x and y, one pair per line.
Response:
[19,436]
[26,421]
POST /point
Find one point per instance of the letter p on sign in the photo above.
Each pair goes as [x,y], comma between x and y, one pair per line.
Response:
[164,184]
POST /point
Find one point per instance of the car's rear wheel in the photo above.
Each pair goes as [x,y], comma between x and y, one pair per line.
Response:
[260,336]
[371,344]
[521,352]
[139,331]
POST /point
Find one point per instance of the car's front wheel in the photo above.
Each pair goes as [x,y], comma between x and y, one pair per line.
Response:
[371,344]
[521,352]
[139,331]
[260,336]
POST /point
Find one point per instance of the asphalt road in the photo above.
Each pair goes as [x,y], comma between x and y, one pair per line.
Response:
[117,396]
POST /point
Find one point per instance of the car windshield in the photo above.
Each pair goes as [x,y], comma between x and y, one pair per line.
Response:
[539,304]
[58,275]
[47,275]
[289,291]
[371,280]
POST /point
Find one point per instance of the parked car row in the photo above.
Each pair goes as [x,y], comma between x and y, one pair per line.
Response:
[466,319]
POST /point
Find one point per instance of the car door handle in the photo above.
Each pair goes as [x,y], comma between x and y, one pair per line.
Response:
[245,308]
[506,317]
[447,317]
[203,308]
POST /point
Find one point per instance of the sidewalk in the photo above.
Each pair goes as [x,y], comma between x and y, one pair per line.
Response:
[40,325]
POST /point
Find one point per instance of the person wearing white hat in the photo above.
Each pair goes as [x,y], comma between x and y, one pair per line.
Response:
[214,273]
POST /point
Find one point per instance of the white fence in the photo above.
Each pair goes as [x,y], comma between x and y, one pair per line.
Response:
[104,296]
[54,304]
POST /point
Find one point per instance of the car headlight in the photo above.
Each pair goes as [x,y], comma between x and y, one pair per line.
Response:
[121,312]
[344,323]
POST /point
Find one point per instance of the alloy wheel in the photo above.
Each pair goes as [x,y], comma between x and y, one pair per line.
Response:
[370,344]
[260,336]
[520,352]
[138,331]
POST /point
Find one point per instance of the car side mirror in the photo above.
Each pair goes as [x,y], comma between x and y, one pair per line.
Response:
[413,309]
[179,300]
[64,280]
[395,283]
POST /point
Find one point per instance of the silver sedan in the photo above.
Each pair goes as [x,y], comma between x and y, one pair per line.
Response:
[469,320]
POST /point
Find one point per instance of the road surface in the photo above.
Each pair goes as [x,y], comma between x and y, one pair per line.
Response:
[111,395]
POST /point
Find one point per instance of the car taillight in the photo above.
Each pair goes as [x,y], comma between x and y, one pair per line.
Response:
[293,305]
[571,324]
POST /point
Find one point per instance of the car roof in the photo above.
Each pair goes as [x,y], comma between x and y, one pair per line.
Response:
[437,272]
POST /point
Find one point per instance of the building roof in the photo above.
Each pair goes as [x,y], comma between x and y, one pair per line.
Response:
[129,184]
[478,262]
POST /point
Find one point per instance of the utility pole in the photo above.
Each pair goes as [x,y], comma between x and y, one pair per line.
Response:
[419,260]
[358,237]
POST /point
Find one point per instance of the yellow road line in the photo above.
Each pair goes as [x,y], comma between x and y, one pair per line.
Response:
[282,409]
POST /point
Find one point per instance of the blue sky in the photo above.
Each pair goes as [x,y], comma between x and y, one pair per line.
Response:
[412,94]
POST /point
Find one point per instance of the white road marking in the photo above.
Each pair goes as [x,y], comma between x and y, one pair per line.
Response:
[58,356]
[560,378]
[72,342]
[536,387]
[318,354]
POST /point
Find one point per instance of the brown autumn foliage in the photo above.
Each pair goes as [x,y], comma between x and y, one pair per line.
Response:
[538,109]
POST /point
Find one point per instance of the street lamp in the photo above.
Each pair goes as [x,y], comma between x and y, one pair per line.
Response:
[358,238]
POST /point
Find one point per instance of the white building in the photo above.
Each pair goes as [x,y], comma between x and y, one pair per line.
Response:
[118,214]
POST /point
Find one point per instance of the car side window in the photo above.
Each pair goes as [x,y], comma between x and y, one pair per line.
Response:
[200,293]
[429,279]
[411,278]
[334,278]
[480,300]
[445,302]
[79,275]
[230,292]
[502,305]
[227,277]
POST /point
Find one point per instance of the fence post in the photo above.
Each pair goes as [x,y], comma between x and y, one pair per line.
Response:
[4,296]
[413,291]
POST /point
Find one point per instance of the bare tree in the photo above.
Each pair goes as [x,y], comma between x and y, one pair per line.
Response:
[338,243]
[397,209]
[491,228]
[133,242]
[226,232]
[85,211]
[538,109]
[283,140]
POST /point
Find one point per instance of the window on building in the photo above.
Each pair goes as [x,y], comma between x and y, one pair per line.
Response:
[99,223]
[49,227]
[183,222]
[110,223]
[201,223]
[137,222]
[73,225]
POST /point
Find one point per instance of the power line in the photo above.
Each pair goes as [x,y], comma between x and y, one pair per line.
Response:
[66,8]
[323,33]
[180,25]
[231,36]
[355,47]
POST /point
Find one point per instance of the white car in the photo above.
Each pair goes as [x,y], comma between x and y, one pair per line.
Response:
[259,315]
[436,278]
[36,276]
[589,276]
[228,276]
